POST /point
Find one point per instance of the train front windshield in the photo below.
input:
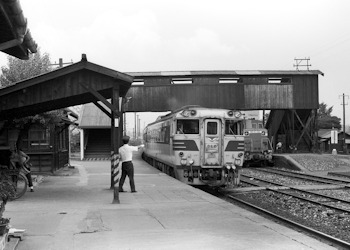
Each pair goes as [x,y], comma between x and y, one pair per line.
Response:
[187,126]
[233,127]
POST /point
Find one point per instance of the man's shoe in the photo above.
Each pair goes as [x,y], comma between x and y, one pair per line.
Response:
[121,191]
[134,191]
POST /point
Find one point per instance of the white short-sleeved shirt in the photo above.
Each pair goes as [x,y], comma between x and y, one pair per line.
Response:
[125,152]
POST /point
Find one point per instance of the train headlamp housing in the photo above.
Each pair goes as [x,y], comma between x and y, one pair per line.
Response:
[181,154]
[230,165]
[236,114]
[191,162]
[183,162]
[188,113]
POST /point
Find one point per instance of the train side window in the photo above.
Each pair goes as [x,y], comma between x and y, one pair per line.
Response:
[212,128]
[187,126]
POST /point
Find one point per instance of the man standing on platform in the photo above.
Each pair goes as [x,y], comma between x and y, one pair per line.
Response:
[125,152]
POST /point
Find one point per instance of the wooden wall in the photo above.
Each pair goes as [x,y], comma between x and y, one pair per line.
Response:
[248,93]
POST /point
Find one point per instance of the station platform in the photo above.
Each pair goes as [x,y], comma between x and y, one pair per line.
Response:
[163,214]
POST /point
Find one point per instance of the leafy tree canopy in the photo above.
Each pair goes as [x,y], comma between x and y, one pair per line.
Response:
[325,118]
[323,110]
[18,70]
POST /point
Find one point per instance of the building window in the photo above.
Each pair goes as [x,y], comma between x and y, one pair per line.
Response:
[230,80]
[181,81]
[138,82]
[39,138]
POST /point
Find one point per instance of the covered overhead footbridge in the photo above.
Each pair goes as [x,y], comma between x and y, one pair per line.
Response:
[291,96]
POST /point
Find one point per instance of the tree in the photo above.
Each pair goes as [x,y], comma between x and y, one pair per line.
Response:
[18,70]
[325,118]
[324,111]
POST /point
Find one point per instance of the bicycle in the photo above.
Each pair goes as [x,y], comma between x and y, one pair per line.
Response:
[14,180]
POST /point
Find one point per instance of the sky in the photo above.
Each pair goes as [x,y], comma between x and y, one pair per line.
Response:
[167,35]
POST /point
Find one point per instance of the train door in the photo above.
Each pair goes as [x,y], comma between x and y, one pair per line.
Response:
[212,143]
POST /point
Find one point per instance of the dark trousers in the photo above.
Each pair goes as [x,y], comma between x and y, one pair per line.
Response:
[30,181]
[127,170]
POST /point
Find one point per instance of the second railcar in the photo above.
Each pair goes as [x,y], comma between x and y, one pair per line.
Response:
[198,146]
[258,148]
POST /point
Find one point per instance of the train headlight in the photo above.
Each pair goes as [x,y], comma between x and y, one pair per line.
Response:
[186,113]
[240,155]
[237,114]
[230,166]
[181,154]
[191,162]
[238,162]
[183,162]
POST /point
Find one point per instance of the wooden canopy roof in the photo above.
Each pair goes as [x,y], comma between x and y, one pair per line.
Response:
[15,37]
[79,83]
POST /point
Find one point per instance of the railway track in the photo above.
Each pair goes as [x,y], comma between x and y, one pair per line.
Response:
[292,191]
[304,176]
[325,216]
[333,240]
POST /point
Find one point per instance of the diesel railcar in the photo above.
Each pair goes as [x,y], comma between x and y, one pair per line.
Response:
[258,149]
[198,146]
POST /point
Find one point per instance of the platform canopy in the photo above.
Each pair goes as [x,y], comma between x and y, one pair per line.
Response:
[15,37]
[79,83]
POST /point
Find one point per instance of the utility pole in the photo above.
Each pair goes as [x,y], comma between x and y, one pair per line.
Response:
[61,63]
[124,102]
[135,126]
[138,126]
[298,63]
[345,149]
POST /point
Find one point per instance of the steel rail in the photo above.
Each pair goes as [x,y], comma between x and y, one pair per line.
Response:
[317,233]
[302,198]
[305,176]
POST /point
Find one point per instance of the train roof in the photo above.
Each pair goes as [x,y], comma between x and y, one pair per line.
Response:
[177,112]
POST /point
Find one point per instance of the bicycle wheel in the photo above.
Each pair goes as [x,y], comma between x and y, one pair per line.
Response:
[21,185]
